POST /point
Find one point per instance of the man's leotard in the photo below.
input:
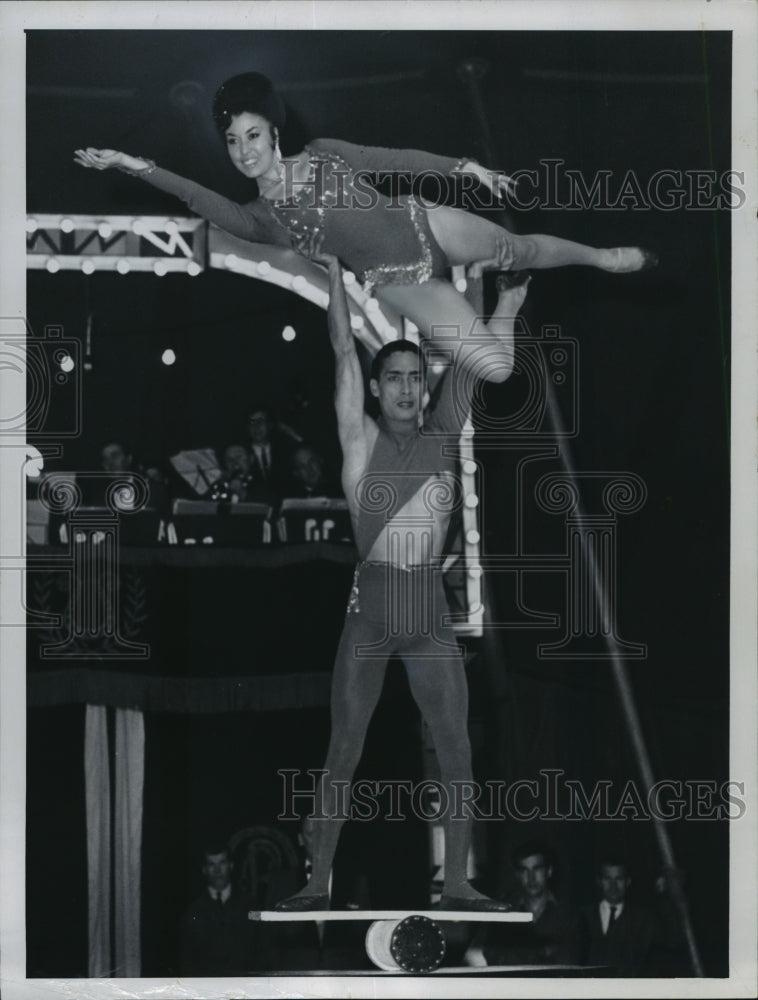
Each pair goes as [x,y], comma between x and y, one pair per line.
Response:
[402,595]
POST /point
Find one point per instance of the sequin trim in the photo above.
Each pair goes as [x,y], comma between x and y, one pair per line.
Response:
[405,274]
[353,601]
[462,163]
[415,273]
[293,223]
[140,173]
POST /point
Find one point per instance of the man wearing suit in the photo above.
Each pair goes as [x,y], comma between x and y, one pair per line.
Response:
[217,938]
[550,937]
[616,932]
[271,449]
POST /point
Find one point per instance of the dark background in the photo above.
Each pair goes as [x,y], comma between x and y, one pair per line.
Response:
[653,400]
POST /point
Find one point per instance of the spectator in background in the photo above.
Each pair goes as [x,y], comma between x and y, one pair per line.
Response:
[635,939]
[217,938]
[237,479]
[550,938]
[271,446]
[308,475]
[115,457]
[616,932]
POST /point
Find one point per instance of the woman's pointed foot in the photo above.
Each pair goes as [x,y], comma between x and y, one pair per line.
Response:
[627,260]
[303,903]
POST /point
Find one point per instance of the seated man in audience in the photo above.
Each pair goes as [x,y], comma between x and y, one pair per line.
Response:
[116,457]
[550,937]
[217,938]
[309,476]
[235,484]
[615,931]
[630,938]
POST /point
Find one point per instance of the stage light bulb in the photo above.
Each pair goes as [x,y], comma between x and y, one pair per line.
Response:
[88,267]
[104,230]
[475,572]
[168,357]
[67,363]
[264,267]
[299,283]
[469,467]
[31,225]
[160,268]
[67,225]
[288,333]
[138,227]
[471,501]
[193,269]
[372,306]
[356,322]
[231,261]
[52,265]
[472,536]
[123,267]
[171,227]
[348,278]
[461,285]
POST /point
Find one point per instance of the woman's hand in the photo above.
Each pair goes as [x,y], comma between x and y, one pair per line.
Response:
[105,159]
[311,246]
[499,183]
[99,159]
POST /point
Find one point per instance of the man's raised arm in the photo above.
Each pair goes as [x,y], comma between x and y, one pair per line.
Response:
[349,391]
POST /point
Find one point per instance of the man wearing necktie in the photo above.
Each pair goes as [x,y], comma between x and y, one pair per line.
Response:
[217,938]
[270,452]
[617,933]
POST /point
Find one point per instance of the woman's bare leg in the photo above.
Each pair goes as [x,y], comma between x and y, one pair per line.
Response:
[467,238]
[436,305]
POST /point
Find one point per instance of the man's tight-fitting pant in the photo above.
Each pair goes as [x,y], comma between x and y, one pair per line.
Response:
[398,612]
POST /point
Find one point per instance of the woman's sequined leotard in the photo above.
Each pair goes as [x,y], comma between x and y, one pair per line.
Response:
[382,239]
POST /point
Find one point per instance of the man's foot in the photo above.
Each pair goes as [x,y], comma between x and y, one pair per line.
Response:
[507,280]
[303,902]
[473,901]
[511,289]
[483,904]
[626,260]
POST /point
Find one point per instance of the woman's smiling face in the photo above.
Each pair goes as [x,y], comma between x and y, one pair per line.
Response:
[250,144]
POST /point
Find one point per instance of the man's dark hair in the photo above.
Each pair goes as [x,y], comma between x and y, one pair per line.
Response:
[395,347]
[213,847]
[264,408]
[529,849]
[612,860]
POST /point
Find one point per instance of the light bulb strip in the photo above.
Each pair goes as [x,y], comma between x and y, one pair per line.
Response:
[109,262]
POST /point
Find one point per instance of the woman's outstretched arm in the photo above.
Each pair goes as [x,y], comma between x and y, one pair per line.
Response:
[410,162]
[236,219]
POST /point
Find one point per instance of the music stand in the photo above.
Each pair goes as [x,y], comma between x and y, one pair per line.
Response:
[198,467]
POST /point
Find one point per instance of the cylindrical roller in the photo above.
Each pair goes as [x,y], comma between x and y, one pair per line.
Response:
[414,944]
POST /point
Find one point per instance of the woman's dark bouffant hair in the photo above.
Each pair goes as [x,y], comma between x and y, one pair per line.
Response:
[251,92]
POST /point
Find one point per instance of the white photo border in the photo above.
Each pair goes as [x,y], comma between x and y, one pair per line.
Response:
[737,16]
